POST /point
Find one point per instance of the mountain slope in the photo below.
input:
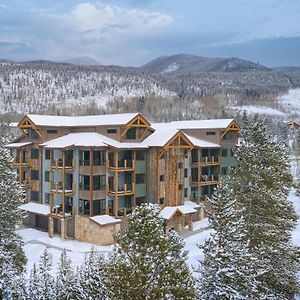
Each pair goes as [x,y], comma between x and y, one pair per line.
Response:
[185,63]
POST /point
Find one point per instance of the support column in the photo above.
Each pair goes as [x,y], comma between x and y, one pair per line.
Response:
[91,181]
[201,213]
[190,222]
[51,227]
[199,177]
[63,183]
[116,206]
[63,229]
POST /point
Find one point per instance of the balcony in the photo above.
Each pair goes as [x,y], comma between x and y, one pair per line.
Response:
[57,188]
[25,163]
[207,161]
[123,165]
[126,189]
[25,185]
[69,164]
[204,180]
[203,199]
[57,211]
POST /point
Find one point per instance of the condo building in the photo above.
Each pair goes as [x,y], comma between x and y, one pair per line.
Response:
[81,176]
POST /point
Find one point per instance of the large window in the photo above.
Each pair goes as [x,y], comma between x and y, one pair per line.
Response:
[84,158]
[131,134]
[99,207]
[84,182]
[140,155]
[111,130]
[34,153]
[34,175]
[210,133]
[84,207]
[34,196]
[51,131]
[47,154]
[47,176]
[140,178]
[33,134]
[224,152]
[99,158]
[224,171]
[99,182]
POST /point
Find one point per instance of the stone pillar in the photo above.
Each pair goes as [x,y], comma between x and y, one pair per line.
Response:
[63,229]
[50,226]
[201,213]
[190,222]
[180,226]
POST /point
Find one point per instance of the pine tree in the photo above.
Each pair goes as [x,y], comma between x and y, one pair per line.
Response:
[34,283]
[12,258]
[146,263]
[92,277]
[67,285]
[261,187]
[46,281]
[224,273]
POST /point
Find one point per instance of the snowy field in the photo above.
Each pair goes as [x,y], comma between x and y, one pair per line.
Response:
[261,110]
[291,100]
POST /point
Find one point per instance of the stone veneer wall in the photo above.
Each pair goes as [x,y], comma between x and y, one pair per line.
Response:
[88,231]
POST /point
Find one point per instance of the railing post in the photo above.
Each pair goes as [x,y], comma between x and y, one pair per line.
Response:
[206,159]
[213,159]
[125,164]
[125,212]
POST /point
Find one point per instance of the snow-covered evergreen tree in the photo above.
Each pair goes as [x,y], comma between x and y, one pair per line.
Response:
[225,271]
[261,187]
[46,286]
[12,258]
[67,285]
[147,263]
[34,283]
[92,277]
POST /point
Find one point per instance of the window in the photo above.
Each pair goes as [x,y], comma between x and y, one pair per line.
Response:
[51,131]
[99,207]
[185,173]
[47,154]
[84,182]
[84,207]
[47,176]
[140,178]
[34,153]
[84,158]
[34,175]
[210,133]
[47,198]
[99,158]
[111,130]
[34,196]
[228,135]
[99,182]
[180,187]
[224,152]
[162,201]
[140,155]
[161,178]
[185,192]
[224,171]
[180,165]
[131,134]
[33,134]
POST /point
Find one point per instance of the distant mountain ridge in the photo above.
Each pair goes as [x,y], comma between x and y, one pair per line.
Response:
[186,63]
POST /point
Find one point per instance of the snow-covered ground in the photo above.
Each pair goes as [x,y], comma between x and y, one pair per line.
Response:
[291,100]
[261,110]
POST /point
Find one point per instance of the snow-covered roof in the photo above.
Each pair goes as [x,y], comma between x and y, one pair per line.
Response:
[168,212]
[202,124]
[41,209]
[105,220]
[191,203]
[200,143]
[88,139]
[17,145]
[78,121]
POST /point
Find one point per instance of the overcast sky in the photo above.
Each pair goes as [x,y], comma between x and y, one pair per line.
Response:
[132,32]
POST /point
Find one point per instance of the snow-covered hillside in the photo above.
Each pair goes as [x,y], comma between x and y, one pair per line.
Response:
[290,101]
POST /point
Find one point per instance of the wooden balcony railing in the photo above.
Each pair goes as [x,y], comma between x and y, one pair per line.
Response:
[26,163]
[123,165]
[25,184]
[69,164]
[207,161]
[204,180]
[57,211]
[57,188]
[126,189]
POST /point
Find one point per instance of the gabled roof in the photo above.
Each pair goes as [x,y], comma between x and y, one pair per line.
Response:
[169,211]
[88,139]
[81,121]
[200,143]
